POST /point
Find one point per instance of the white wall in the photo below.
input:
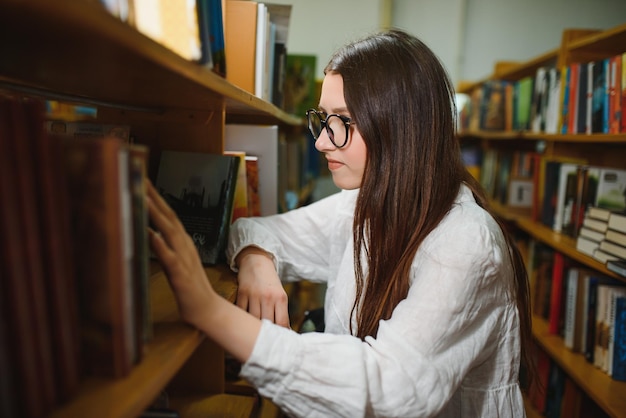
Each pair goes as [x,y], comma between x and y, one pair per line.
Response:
[469,36]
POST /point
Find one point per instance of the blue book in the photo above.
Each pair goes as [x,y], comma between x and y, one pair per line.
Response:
[619,340]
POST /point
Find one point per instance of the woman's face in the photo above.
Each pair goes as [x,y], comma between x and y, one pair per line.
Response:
[346,164]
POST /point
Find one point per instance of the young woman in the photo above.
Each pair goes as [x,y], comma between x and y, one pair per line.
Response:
[426,309]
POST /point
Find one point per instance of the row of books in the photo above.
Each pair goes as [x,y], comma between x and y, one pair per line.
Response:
[586,308]
[241,40]
[553,394]
[74,261]
[580,98]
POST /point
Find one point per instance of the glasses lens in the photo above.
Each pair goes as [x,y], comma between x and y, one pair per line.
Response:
[337,130]
[315,123]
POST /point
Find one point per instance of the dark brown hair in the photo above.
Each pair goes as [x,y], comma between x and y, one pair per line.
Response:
[402,100]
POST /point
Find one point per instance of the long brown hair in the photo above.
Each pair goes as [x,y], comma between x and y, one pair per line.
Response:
[402,100]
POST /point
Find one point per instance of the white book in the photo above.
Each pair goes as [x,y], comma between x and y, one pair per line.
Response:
[586,246]
[591,234]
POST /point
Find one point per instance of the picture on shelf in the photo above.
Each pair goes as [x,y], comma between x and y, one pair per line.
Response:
[200,188]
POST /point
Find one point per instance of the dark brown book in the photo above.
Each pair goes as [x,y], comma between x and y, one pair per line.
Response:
[57,258]
[23,305]
[97,178]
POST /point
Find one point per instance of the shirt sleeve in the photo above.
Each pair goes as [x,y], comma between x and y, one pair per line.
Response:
[298,240]
[458,310]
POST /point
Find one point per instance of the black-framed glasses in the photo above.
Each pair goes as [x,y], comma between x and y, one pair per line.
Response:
[337,126]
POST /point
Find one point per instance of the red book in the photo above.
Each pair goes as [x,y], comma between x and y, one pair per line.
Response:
[555,318]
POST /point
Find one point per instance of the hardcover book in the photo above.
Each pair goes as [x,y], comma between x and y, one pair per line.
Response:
[200,188]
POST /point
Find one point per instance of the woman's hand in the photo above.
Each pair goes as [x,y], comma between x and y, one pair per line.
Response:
[260,290]
[180,260]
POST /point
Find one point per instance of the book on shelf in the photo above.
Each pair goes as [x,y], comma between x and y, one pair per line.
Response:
[613,248]
[240,29]
[137,177]
[556,311]
[590,234]
[240,203]
[252,181]
[173,24]
[623,94]
[200,188]
[586,245]
[574,307]
[523,93]
[617,266]
[24,304]
[101,214]
[615,237]
[603,303]
[618,366]
[553,107]
[595,224]
[539,100]
[615,87]
[611,190]
[603,256]
[260,141]
[596,212]
[617,221]
[610,319]
[599,96]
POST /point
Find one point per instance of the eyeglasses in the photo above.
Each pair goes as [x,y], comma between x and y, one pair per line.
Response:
[337,126]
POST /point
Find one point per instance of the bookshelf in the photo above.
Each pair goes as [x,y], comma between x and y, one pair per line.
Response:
[76,52]
[598,149]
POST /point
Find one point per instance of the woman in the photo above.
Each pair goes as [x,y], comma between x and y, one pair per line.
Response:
[426,308]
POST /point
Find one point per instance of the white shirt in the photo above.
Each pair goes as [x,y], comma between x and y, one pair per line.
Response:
[450,349]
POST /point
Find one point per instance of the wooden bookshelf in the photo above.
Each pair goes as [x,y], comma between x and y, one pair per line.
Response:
[76,52]
[608,150]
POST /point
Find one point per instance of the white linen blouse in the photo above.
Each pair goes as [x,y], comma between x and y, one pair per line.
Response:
[450,349]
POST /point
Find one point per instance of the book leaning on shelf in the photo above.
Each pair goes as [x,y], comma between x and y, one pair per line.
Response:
[200,188]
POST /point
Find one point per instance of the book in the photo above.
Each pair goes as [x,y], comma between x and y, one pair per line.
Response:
[615,237]
[586,245]
[252,180]
[602,322]
[618,369]
[591,234]
[611,191]
[240,204]
[300,92]
[137,176]
[609,347]
[565,195]
[262,142]
[603,256]
[612,248]
[599,98]
[555,316]
[240,42]
[595,224]
[23,308]
[99,202]
[574,307]
[200,188]
[615,87]
[598,213]
[617,266]
[617,222]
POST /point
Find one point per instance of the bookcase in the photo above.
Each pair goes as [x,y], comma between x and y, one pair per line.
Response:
[608,396]
[74,51]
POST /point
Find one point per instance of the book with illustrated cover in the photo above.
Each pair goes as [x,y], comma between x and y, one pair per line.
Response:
[240,205]
[200,188]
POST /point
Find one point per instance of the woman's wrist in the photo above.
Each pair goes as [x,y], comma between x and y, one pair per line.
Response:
[252,253]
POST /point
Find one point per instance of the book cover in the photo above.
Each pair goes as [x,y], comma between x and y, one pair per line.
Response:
[611,193]
[100,208]
[200,188]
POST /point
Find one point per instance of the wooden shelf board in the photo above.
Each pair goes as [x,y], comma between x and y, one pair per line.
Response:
[573,138]
[129,69]
[609,394]
[609,41]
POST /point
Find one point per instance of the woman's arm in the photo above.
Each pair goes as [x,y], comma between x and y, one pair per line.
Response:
[199,305]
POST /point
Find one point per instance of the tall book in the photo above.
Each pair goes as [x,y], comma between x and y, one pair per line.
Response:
[240,204]
[240,34]
[100,208]
[23,309]
[200,188]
